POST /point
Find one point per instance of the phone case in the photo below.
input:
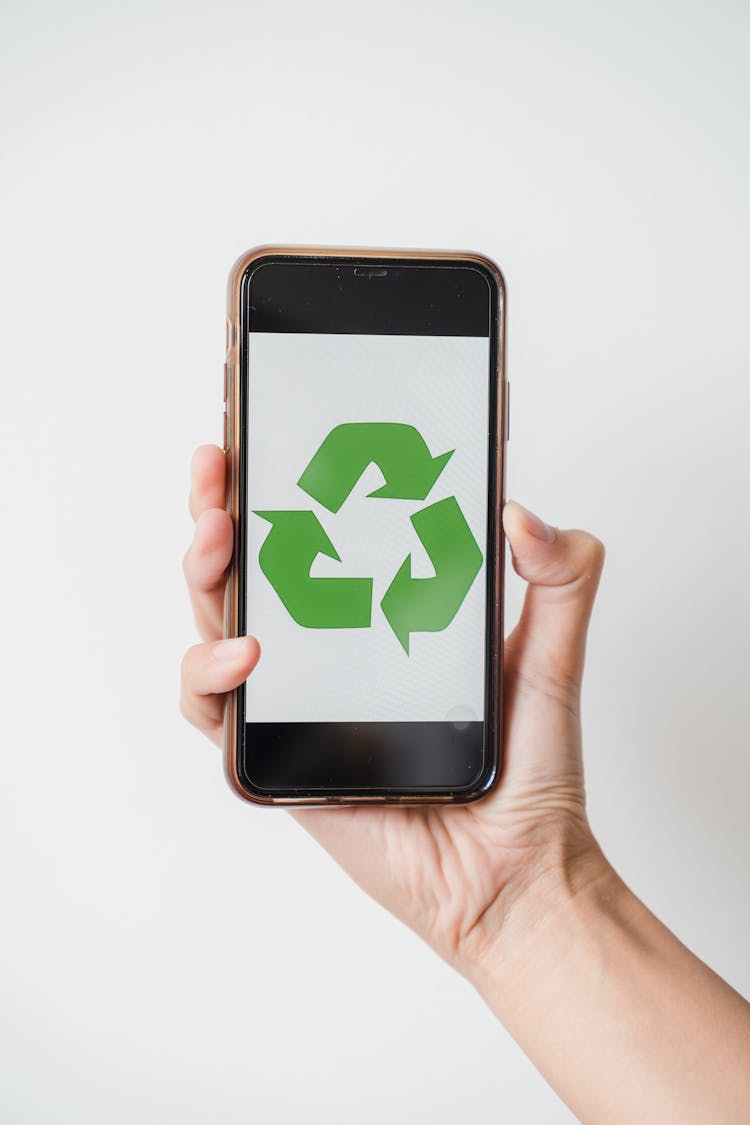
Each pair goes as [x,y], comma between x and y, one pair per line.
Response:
[232,437]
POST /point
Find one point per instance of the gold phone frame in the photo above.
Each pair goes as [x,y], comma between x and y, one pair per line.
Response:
[232,438]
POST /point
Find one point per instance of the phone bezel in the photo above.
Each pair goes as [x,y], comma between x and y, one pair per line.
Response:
[235,428]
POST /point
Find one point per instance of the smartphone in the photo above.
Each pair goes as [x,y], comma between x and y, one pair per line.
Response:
[365,426]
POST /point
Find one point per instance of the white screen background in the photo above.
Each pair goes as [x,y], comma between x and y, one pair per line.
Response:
[301,386]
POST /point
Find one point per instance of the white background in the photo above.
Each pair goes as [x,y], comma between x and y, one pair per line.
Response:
[168,954]
[302,385]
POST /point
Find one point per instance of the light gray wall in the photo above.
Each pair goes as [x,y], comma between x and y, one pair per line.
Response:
[169,955]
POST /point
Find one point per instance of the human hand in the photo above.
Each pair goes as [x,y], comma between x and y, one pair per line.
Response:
[468,878]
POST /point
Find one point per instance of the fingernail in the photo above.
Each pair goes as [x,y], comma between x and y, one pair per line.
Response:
[536,527]
[232,649]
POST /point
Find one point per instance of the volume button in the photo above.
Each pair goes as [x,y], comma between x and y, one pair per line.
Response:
[226,385]
[225,432]
[507,411]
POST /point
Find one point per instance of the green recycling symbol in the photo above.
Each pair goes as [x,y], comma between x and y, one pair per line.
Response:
[410,605]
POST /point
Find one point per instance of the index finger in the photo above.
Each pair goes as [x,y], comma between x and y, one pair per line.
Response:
[208,473]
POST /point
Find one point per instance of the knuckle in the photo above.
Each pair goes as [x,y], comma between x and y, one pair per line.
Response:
[556,683]
[591,553]
[596,550]
[188,706]
[187,665]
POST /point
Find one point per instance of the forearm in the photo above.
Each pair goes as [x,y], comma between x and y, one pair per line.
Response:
[621,1019]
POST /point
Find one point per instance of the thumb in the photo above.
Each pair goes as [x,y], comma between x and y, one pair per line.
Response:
[562,569]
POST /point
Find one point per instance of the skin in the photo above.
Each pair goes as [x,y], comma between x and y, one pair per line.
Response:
[514,891]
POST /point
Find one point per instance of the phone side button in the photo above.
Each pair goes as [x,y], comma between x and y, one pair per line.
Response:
[225,432]
[507,411]
[226,384]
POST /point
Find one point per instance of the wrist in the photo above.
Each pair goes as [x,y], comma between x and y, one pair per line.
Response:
[558,897]
[609,1006]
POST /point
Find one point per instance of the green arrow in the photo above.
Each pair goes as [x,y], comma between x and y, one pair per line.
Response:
[429,604]
[399,451]
[287,554]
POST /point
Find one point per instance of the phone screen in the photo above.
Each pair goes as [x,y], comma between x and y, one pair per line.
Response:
[369,447]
